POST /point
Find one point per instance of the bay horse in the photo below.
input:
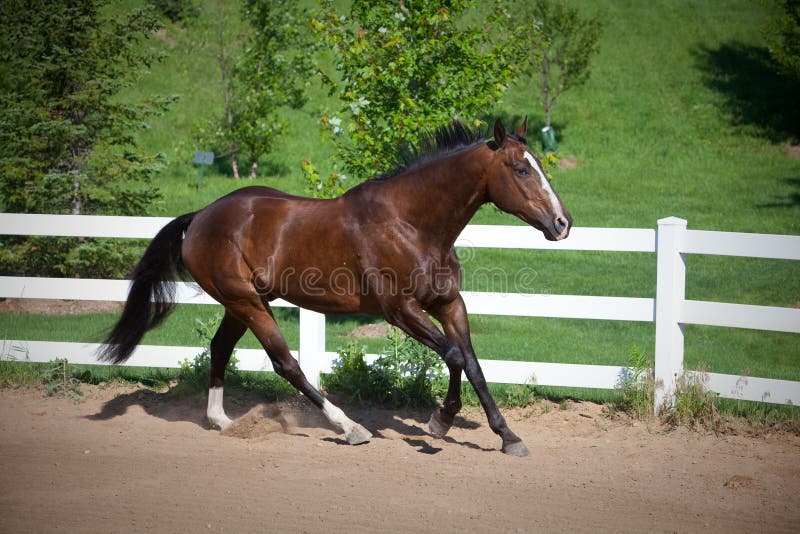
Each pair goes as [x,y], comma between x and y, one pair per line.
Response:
[383,248]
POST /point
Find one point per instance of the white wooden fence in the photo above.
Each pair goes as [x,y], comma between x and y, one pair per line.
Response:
[669,310]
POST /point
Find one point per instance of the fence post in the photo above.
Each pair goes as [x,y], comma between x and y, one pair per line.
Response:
[312,344]
[670,294]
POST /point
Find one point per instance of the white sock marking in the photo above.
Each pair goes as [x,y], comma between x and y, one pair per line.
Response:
[354,432]
[545,185]
[215,412]
[336,416]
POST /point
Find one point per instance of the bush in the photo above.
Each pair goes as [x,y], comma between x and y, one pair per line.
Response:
[69,257]
[177,10]
[407,375]
[194,375]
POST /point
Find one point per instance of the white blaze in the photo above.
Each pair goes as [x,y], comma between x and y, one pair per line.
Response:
[545,184]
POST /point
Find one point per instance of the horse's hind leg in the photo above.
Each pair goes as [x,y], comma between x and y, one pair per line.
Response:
[263,325]
[229,332]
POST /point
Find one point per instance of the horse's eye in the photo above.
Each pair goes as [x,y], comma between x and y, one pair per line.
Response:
[521,171]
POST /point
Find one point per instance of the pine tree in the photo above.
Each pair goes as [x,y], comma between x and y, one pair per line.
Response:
[67,142]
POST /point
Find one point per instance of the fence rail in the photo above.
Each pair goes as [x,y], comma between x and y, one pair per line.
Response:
[669,310]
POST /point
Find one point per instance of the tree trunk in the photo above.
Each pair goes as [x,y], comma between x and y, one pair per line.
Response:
[253,168]
[226,91]
[546,102]
[235,166]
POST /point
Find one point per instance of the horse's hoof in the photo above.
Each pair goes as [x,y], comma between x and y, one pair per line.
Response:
[220,422]
[516,449]
[357,435]
[436,426]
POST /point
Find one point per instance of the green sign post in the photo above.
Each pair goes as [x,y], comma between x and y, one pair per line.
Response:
[549,143]
[202,158]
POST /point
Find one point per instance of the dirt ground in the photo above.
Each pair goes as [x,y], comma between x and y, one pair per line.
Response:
[128,459]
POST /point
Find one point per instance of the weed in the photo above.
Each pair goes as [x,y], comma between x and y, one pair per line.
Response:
[194,375]
[16,373]
[634,391]
[692,404]
[59,381]
[516,396]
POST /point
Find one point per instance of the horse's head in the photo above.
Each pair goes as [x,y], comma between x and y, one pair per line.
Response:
[517,185]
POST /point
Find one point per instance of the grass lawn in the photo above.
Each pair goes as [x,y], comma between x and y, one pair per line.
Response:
[681,116]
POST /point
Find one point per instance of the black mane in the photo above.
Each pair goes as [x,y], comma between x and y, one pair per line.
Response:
[444,141]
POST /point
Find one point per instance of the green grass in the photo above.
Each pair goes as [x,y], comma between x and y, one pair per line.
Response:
[681,116]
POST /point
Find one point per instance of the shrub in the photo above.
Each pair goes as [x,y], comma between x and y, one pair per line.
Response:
[408,374]
[194,375]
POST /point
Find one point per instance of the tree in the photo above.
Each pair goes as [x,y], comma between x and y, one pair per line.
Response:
[269,73]
[221,135]
[562,50]
[176,10]
[782,34]
[67,143]
[407,68]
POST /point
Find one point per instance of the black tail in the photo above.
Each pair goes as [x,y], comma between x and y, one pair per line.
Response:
[150,299]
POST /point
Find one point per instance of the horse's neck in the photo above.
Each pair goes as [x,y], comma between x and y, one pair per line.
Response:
[440,198]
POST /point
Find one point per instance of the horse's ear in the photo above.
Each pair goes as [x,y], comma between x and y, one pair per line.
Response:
[522,128]
[499,134]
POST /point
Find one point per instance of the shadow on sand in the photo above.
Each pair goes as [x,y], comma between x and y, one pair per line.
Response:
[254,417]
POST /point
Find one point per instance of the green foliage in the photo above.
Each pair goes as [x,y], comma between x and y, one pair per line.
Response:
[268,72]
[407,375]
[414,372]
[319,187]
[67,256]
[67,143]
[634,392]
[406,68]
[176,10]
[562,50]
[515,395]
[16,373]
[60,381]
[352,377]
[692,404]
[782,34]
[194,375]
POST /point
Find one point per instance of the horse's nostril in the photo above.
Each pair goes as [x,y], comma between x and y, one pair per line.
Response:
[560,224]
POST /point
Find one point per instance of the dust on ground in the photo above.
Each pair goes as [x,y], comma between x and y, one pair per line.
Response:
[130,459]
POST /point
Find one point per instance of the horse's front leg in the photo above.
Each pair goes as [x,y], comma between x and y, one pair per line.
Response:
[453,317]
[410,318]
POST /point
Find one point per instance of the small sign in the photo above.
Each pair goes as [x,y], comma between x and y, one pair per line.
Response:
[204,158]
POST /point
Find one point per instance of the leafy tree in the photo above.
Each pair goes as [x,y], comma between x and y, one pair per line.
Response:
[782,34]
[403,68]
[561,52]
[176,10]
[67,143]
[220,135]
[269,73]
